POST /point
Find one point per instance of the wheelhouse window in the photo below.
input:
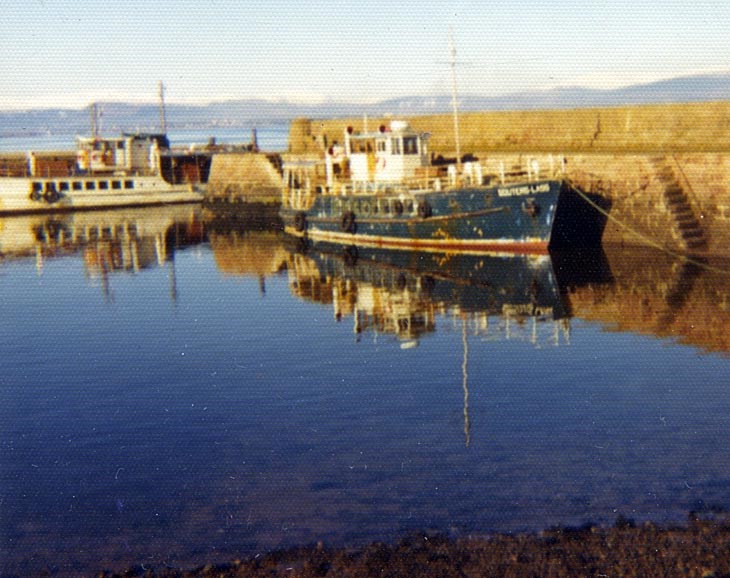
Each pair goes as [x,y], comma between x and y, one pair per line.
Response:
[396,145]
[380,146]
[410,145]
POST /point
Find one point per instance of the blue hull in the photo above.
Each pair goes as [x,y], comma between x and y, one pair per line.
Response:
[519,218]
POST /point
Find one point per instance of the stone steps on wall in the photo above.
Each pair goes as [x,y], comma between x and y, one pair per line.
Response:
[688,226]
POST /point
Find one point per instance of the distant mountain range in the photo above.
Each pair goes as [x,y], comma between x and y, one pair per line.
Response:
[118,116]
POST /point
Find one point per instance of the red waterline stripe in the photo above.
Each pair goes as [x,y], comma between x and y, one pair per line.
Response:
[527,247]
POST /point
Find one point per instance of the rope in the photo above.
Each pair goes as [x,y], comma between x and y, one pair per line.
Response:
[648,240]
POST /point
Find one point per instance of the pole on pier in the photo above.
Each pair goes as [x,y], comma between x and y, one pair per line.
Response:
[163,115]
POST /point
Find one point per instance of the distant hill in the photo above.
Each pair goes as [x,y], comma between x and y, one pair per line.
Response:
[251,113]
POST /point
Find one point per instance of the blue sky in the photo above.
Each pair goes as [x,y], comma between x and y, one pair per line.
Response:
[64,53]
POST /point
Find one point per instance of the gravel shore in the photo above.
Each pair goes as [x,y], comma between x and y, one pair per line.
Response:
[699,549]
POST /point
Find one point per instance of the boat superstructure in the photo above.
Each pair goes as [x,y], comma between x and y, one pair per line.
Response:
[105,172]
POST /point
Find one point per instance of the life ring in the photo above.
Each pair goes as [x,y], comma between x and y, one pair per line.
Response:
[348,223]
[382,162]
[35,194]
[300,221]
[398,207]
[531,208]
[51,195]
[424,209]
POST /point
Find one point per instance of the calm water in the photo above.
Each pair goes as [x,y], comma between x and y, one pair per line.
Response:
[176,389]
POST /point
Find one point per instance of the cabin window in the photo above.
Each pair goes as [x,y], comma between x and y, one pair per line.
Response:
[128,184]
[410,145]
[116,185]
[63,186]
[90,185]
[380,146]
[396,146]
[103,185]
[37,187]
[77,185]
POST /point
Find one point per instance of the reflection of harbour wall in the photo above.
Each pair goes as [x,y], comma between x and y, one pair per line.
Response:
[254,253]
[655,294]
[665,168]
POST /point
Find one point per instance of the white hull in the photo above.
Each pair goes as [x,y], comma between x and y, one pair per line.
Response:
[40,195]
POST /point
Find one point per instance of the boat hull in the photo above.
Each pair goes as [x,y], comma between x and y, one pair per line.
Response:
[26,195]
[516,218]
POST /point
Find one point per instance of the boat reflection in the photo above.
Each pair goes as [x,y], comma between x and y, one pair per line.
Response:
[521,297]
[402,293]
[120,240]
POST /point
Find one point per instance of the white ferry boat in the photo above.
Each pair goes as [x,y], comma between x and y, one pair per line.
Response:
[125,171]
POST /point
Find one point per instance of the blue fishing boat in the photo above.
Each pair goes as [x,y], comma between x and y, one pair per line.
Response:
[381,189]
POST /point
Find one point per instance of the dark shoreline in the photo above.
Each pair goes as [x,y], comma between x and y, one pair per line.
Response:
[699,549]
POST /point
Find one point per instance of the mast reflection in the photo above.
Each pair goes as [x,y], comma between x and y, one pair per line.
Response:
[108,242]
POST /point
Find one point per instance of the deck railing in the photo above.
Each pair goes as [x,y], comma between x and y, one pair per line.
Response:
[435,178]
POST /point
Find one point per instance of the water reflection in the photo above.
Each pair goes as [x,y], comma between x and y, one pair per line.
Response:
[108,242]
[654,293]
[636,290]
[402,293]
[274,395]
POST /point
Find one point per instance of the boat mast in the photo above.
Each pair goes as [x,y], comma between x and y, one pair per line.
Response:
[454,102]
[94,111]
[163,116]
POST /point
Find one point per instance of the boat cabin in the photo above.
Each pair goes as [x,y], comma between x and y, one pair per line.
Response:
[130,153]
[394,154]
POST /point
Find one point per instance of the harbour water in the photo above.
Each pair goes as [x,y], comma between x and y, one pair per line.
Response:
[177,389]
